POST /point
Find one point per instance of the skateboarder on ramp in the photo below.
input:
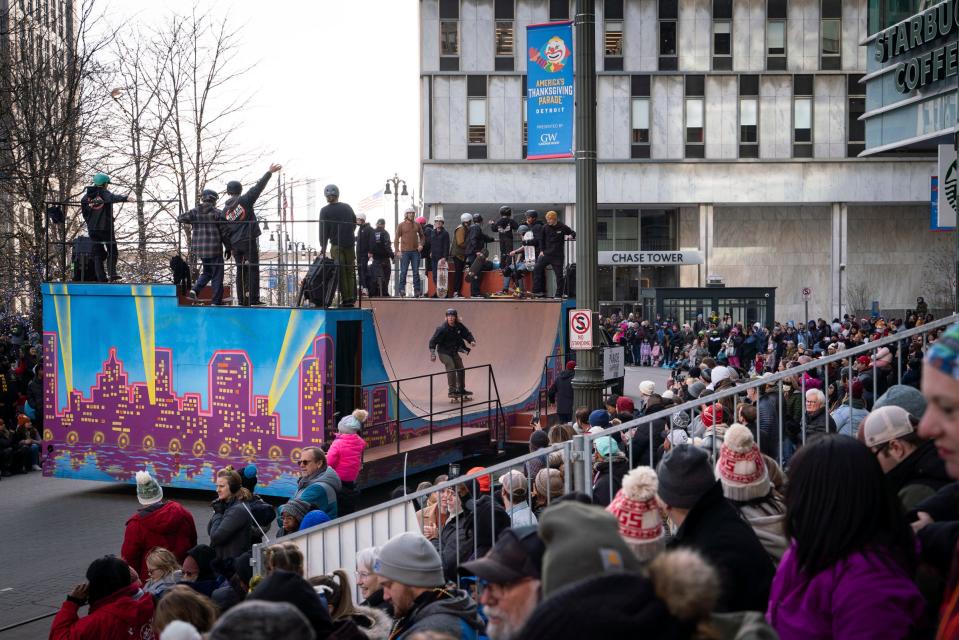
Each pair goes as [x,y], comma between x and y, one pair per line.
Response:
[448,341]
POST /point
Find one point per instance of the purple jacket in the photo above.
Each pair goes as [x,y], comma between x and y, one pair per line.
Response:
[862,596]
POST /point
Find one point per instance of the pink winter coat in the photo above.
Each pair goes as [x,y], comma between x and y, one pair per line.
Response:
[346,455]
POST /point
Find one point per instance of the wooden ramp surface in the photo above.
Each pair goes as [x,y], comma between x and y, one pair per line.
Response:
[409,444]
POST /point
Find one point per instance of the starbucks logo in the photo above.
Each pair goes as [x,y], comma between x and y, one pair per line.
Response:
[952,187]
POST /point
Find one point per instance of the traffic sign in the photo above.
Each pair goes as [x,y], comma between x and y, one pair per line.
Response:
[581,329]
[806,293]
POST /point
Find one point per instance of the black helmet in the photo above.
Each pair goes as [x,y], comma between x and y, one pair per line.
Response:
[505,211]
[331,190]
[233,187]
[477,217]
[209,195]
[452,312]
[532,213]
[380,222]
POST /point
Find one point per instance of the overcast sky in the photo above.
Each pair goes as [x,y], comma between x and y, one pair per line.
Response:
[334,91]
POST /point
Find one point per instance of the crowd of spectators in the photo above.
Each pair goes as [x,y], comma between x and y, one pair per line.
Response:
[21,396]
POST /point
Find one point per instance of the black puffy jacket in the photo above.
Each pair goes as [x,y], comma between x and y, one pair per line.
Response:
[96,206]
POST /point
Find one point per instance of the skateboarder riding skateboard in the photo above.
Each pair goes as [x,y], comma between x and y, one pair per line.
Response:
[447,342]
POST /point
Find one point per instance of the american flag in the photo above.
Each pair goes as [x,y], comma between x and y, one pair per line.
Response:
[374,201]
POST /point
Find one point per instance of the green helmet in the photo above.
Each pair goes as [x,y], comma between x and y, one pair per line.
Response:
[101,179]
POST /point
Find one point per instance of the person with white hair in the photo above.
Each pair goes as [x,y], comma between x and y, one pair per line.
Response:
[368,582]
[818,420]
[515,494]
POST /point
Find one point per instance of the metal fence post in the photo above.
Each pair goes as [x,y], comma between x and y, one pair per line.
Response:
[582,479]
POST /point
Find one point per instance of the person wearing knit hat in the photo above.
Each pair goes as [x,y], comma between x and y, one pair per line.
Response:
[248,477]
[745,478]
[256,619]
[940,423]
[345,456]
[411,573]
[636,509]
[705,521]
[646,389]
[158,523]
[560,393]
[909,398]
[570,365]
[599,418]
[539,439]
[851,411]
[625,409]
[292,514]
[679,420]
[716,375]
[483,483]
[911,465]
[609,467]
[547,487]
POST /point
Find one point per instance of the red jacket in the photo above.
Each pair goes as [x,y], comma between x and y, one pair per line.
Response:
[122,615]
[166,525]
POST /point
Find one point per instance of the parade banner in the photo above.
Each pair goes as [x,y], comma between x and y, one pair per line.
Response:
[549,91]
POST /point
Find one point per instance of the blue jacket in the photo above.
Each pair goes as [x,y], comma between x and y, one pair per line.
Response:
[848,420]
[321,491]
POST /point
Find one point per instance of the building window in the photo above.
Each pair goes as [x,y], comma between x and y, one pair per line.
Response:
[639,115]
[802,116]
[856,128]
[504,35]
[613,35]
[449,35]
[695,117]
[668,27]
[748,116]
[722,35]
[776,35]
[476,117]
[558,10]
[830,35]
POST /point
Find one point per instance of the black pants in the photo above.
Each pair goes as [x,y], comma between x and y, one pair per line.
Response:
[105,262]
[457,267]
[363,270]
[346,499]
[474,280]
[247,259]
[539,274]
[380,277]
[212,272]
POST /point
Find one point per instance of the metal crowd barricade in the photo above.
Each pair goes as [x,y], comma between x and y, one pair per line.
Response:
[334,544]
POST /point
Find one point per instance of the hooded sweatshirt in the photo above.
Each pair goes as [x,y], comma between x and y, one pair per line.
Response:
[164,524]
[450,612]
[99,218]
[125,613]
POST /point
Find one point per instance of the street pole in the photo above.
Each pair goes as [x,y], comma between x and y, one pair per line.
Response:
[588,377]
[396,230]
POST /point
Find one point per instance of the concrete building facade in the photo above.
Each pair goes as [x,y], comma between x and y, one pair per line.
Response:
[730,127]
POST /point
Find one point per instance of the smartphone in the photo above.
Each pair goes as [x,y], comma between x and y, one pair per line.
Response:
[454,470]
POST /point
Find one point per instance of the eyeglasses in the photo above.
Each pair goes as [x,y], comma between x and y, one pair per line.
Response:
[362,575]
[303,463]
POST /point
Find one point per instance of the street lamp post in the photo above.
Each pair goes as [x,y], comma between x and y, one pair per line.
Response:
[395,182]
[588,376]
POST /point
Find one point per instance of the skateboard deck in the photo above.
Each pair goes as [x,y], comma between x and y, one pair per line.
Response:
[458,398]
[442,278]
[477,266]
[529,257]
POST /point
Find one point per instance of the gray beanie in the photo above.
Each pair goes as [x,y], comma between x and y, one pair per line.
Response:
[297,508]
[685,475]
[679,420]
[696,388]
[900,395]
[410,559]
[256,619]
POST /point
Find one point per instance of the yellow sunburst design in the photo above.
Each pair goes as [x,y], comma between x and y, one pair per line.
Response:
[143,298]
[199,448]
[275,453]
[47,435]
[249,451]
[175,446]
[224,450]
[148,443]
[72,437]
[64,331]
[301,329]
[98,437]
[296,454]
[123,441]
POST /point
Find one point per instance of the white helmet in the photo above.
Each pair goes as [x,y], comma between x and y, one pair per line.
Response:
[466,217]
[361,216]
[439,217]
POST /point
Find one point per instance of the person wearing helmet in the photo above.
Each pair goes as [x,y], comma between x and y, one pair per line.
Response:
[245,235]
[408,243]
[439,245]
[476,249]
[552,253]
[516,263]
[504,227]
[458,253]
[210,234]
[382,254]
[364,252]
[447,342]
[96,206]
[337,226]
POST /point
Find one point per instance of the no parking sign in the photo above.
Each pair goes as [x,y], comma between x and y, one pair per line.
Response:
[581,329]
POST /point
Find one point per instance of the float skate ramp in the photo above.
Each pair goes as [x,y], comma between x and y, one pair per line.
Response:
[511,335]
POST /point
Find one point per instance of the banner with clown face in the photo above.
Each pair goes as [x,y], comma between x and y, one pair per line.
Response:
[549,91]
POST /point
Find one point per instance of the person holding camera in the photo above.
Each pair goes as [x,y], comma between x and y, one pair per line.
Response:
[447,342]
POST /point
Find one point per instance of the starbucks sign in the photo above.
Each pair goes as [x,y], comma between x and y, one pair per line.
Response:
[924,45]
[948,186]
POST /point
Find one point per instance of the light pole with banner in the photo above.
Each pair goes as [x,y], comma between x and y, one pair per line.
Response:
[395,182]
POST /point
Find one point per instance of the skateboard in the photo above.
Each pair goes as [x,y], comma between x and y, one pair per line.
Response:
[456,397]
[529,252]
[476,267]
[442,278]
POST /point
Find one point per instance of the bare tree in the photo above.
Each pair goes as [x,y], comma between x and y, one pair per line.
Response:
[939,278]
[859,296]
[51,121]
